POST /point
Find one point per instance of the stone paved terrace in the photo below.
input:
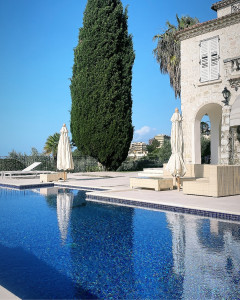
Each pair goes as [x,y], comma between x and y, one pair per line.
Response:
[116,185]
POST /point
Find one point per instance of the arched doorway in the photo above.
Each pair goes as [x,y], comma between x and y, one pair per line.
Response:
[205,131]
[235,131]
[214,112]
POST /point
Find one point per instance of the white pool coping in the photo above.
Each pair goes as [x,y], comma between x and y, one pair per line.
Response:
[5,294]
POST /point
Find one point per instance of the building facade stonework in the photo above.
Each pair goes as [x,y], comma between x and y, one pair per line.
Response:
[137,150]
[210,61]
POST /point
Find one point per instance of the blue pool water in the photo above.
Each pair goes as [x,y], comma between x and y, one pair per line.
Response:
[55,245]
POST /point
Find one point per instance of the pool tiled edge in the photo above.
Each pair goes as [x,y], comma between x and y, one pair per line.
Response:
[80,187]
[130,202]
[27,186]
[158,206]
[46,185]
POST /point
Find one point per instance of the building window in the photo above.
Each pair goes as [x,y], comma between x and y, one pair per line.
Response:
[209,59]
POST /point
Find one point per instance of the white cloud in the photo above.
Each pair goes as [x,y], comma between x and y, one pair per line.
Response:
[144,134]
[143,131]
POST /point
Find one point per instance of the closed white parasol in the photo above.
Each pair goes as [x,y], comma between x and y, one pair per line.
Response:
[64,155]
[176,165]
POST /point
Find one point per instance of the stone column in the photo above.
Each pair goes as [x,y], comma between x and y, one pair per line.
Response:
[225,151]
[235,145]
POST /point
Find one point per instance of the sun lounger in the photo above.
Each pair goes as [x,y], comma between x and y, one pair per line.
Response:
[27,172]
[32,166]
[18,174]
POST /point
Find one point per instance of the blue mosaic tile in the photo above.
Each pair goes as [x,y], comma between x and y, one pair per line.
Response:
[113,252]
[24,187]
[80,187]
[34,186]
[204,213]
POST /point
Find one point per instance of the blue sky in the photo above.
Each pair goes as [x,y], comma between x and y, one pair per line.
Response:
[36,58]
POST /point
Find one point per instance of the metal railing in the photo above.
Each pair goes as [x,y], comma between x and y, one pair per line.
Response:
[48,163]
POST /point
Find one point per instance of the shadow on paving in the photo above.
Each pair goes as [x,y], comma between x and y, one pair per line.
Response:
[31,278]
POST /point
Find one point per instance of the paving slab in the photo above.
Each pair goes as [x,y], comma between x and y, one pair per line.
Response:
[5,294]
[102,180]
[229,204]
[116,185]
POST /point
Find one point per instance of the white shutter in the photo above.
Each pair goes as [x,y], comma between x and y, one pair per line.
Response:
[214,57]
[209,60]
[204,61]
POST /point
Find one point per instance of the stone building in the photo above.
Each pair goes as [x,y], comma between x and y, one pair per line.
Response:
[161,138]
[210,62]
[137,149]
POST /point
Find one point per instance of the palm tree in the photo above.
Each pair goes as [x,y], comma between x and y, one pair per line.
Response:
[167,52]
[51,145]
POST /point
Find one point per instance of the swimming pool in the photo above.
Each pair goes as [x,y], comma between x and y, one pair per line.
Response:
[55,244]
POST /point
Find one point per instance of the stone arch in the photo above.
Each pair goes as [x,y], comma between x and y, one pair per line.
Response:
[235,113]
[214,112]
[235,132]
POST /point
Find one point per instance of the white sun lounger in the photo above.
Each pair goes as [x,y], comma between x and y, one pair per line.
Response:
[32,166]
[27,172]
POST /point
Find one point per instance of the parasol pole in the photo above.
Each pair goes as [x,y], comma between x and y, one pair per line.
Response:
[178,183]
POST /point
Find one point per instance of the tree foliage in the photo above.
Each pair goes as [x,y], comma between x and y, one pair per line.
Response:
[51,145]
[21,156]
[154,145]
[15,155]
[205,128]
[205,149]
[76,153]
[34,152]
[167,52]
[163,153]
[101,113]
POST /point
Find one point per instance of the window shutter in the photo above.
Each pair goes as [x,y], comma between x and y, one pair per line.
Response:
[214,56]
[204,61]
[209,60]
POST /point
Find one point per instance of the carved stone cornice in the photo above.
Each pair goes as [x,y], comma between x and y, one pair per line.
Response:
[235,7]
[235,83]
[235,63]
[221,4]
[232,71]
[209,26]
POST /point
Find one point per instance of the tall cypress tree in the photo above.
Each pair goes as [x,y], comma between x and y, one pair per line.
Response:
[101,114]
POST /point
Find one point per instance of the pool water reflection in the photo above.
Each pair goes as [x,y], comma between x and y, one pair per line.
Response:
[55,244]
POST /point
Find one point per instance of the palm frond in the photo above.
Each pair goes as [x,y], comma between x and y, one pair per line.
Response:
[167,52]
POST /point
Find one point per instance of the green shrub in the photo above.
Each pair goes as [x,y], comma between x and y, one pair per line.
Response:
[85,164]
[205,150]
[139,164]
[11,164]
[161,154]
